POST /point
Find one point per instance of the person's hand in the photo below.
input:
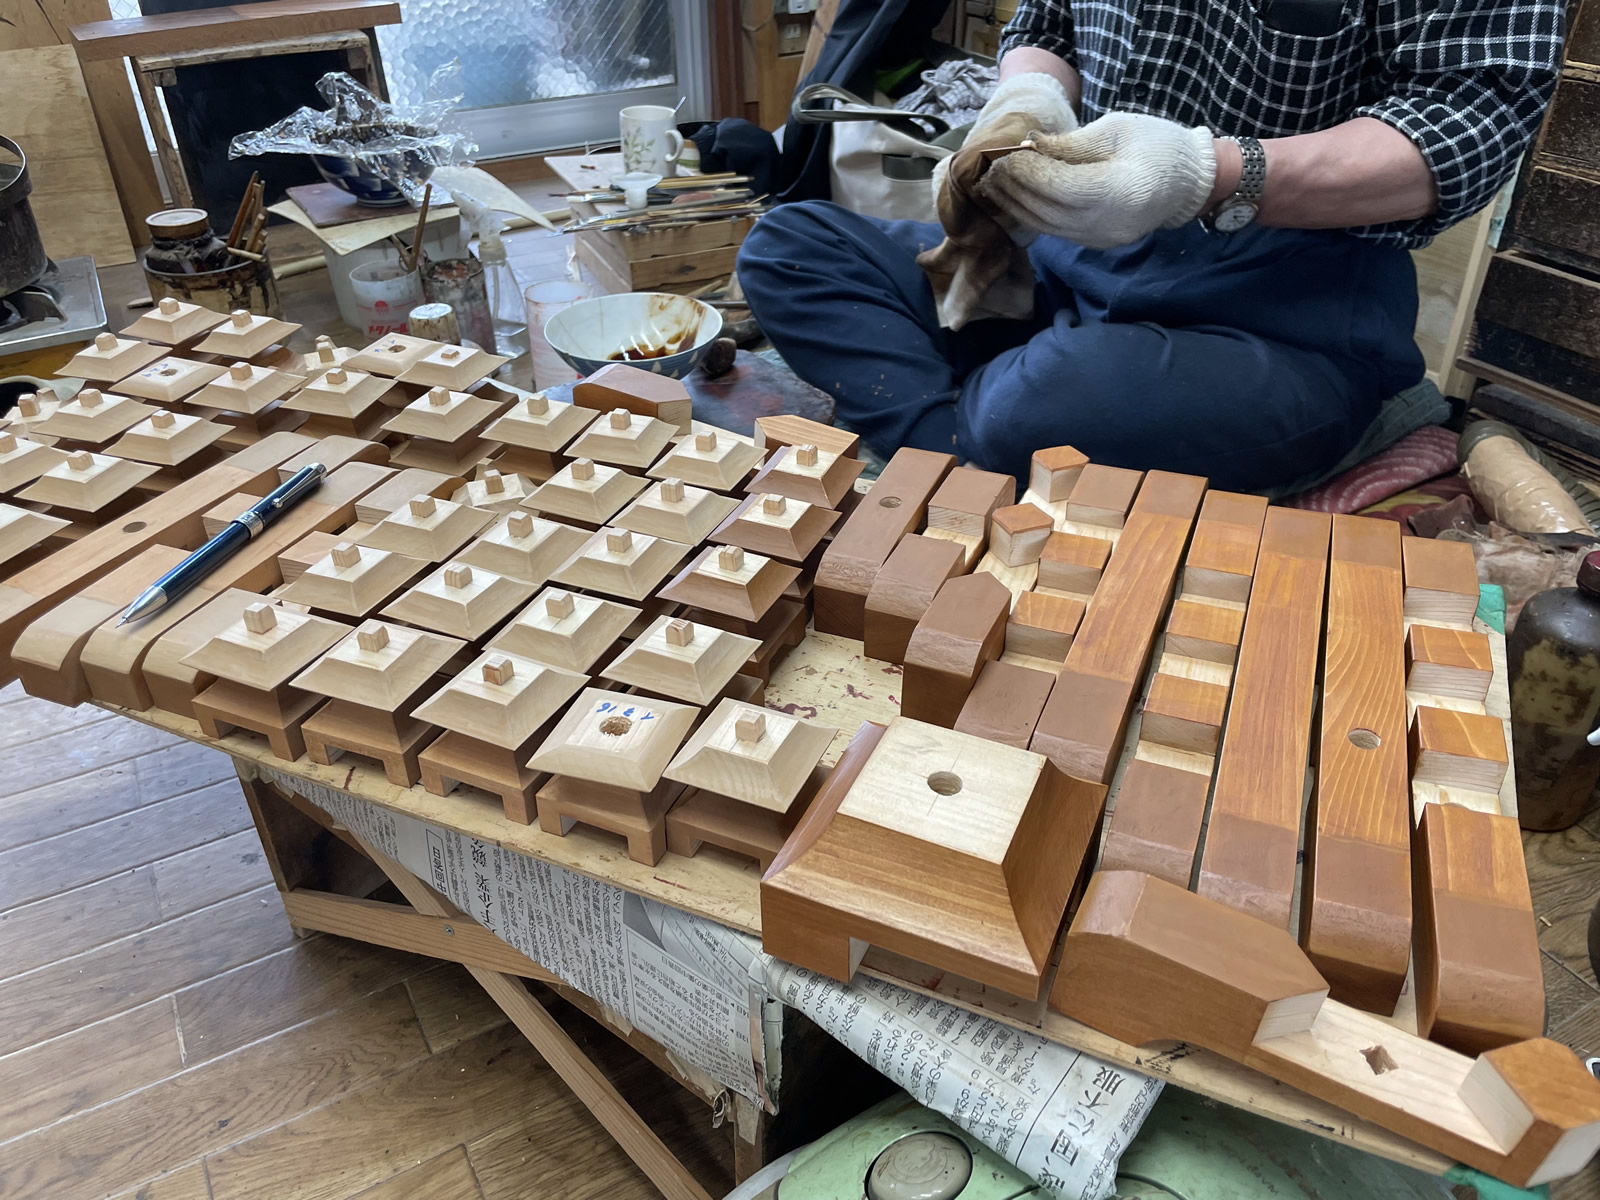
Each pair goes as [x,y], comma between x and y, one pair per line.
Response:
[1019,106]
[1108,183]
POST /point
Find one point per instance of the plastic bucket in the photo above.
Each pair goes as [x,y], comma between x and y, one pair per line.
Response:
[544,300]
[384,293]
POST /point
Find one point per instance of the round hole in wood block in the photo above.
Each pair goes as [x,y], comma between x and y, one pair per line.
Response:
[8,443]
[91,398]
[615,726]
[679,632]
[499,670]
[750,728]
[28,405]
[494,483]
[731,558]
[519,525]
[240,318]
[889,502]
[162,419]
[169,371]
[582,469]
[168,307]
[774,506]
[558,604]
[672,491]
[621,418]
[619,541]
[134,526]
[705,442]
[946,783]
[80,460]
[105,342]
[346,554]
[394,348]
[805,456]
[337,377]
[457,576]
[538,405]
[438,397]
[240,371]
[261,618]
[1364,739]
[373,637]
[423,506]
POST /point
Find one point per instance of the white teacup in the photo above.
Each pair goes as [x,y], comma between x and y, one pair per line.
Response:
[651,143]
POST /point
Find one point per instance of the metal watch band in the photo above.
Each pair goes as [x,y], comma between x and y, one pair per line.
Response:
[1252,171]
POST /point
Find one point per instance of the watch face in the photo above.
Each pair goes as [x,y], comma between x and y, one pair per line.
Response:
[1233,217]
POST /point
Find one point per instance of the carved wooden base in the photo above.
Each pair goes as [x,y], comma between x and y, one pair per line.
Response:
[392,739]
[454,758]
[702,818]
[639,817]
[276,715]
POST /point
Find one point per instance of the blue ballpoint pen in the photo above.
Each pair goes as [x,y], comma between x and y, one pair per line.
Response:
[234,536]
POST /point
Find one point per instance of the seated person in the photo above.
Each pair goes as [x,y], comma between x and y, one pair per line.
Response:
[1217,213]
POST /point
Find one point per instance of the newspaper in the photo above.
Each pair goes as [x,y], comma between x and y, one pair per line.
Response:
[710,996]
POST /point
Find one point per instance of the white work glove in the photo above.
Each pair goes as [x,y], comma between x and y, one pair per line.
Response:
[1019,106]
[1109,183]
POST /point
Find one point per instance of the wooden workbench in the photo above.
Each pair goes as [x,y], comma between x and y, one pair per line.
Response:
[826,678]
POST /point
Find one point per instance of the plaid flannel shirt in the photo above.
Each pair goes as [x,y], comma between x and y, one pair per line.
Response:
[1466,80]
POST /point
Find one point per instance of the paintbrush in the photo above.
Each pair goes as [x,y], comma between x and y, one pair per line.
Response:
[241,216]
[422,221]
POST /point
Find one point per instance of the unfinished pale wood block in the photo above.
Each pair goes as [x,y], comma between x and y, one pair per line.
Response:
[776,526]
[1054,472]
[110,358]
[342,392]
[494,492]
[1205,630]
[405,485]
[615,739]
[1222,554]
[243,388]
[392,739]
[324,357]
[1186,714]
[710,459]
[22,460]
[22,530]
[965,500]
[639,817]
[1155,827]
[352,579]
[682,661]
[1005,703]
[750,754]
[584,490]
[565,629]
[453,367]
[963,629]
[624,439]
[172,322]
[86,483]
[1448,662]
[245,335]
[1018,533]
[786,429]
[637,390]
[93,416]
[618,562]
[379,665]
[460,601]
[441,415]
[168,380]
[1441,580]
[266,647]
[427,529]
[1457,749]
[32,410]
[501,698]
[724,579]
[1042,626]
[1103,495]
[873,866]
[167,439]
[535,422]
[525,547]
[676,511]
[808,473]
[392,355]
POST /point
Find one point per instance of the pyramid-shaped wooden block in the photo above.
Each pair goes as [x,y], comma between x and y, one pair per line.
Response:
[955,851]
[676,511]
[727,580]
[460,600]
[525,547]
[455,367]
[352,579]
[266,647]
[110,358]
[94,416]
[536,422]
[776,526]
[32,410]
[709,459]
[624,439]
[751,754]
[495,491]
[391,355]
[618,562]
[586,491]
[22,460]
[172,322]
[22,529]
[425,528]
[167,438]
[501,698]
[680,659]
[379,665]
[818,477]
[245,335]
[246,389]
[85,482]
[340,392]
[565,629]
[614,738]
[440,415]
[168,380]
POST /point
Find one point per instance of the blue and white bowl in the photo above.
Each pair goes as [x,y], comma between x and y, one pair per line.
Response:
[589,334]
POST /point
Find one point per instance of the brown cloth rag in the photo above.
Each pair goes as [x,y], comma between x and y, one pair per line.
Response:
[978,271]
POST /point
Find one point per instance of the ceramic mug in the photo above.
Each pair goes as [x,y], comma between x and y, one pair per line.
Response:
[650,142]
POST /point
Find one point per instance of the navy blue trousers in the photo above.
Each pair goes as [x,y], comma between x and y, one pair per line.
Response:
[1255,359]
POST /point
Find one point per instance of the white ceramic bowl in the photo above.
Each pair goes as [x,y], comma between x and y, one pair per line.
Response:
[588,333]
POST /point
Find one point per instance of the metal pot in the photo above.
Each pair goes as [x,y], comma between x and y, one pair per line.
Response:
[22,256]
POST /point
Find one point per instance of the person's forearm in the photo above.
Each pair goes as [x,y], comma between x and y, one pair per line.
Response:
[1363,172]
[1022,59]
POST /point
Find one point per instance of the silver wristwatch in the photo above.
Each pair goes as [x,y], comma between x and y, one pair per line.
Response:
[1241,208]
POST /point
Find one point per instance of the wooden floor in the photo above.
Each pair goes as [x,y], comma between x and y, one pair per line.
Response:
[164,1035]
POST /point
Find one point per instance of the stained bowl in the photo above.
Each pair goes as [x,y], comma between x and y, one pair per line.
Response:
[589,333]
